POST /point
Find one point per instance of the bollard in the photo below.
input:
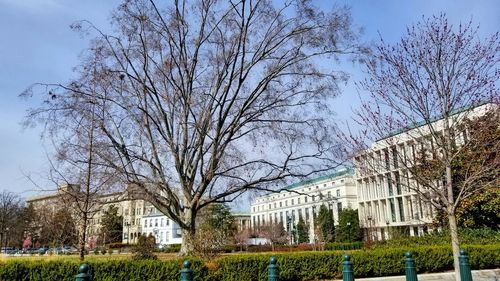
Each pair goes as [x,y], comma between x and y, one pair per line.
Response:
[411,272]
[186,271]
[347,272]
[273,271]
[83,274]
[465,273]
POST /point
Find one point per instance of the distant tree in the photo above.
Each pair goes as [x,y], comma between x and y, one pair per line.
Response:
[144,248]
[218,217]
[27,242]
[324,225]
[57,227]
[216,229]
[10,213]
[111,225]
[425,85]
[302,231]
[482,208]
[241,237]
[348,229]
[275,233]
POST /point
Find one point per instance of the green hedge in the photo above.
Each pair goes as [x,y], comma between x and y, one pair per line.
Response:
[242,267]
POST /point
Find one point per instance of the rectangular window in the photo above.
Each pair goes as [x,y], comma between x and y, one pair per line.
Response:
[281,204]
[339,206]
[338,192]
[393,210]
[305,199]
[292,202]
[281,217]
[387,162]
[275,205]
[298,200]
[286,203]
[306,211]
[269,206]
[398,184]
[145,223]
[389,184]
[313,198]
[395,157]
[401,209]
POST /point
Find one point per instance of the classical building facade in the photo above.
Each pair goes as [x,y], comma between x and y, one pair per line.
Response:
[390,199]
[303,199]
[139,216]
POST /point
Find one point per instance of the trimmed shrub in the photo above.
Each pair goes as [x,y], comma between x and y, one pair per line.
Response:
[296,266]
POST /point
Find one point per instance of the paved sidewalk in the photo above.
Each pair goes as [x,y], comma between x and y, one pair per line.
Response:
[477,275]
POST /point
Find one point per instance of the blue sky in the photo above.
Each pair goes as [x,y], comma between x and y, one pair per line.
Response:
[37,45]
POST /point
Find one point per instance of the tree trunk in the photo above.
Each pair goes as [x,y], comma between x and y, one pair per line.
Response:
[83,237]
[187,246]
[188,235]
[455,244]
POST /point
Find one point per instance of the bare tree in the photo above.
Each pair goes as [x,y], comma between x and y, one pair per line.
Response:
[274,233]
[10,211]
[197,102]
[420,91]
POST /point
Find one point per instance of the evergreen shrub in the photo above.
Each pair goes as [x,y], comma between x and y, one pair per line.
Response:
[296,266]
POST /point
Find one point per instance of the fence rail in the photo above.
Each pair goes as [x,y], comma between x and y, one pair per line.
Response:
[186,273]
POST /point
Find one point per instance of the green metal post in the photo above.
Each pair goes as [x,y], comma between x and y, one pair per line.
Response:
[273,271]
[465,273]
[347,272]
[186,271]
[411,272]
[83,274]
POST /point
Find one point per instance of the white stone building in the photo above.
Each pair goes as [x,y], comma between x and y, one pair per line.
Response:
[336,191]
[165,231]
[387,194]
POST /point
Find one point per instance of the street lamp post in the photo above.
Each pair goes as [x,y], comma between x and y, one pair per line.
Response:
[6,239]
[349,228]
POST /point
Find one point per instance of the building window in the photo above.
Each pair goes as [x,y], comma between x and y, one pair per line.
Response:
[313,198]
[161,222]
[292,202]
[393,210]
[298,200]
[339,206]
[338,192]
[401,210]
[286,203]
[281,204]
[145,223]
[305,199]
[389,184]
[275,205]
[398,184]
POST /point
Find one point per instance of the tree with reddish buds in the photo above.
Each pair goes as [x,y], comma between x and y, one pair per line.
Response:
[422,89]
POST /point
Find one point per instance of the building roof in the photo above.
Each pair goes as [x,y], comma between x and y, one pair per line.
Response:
[431,120]
[336,174]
